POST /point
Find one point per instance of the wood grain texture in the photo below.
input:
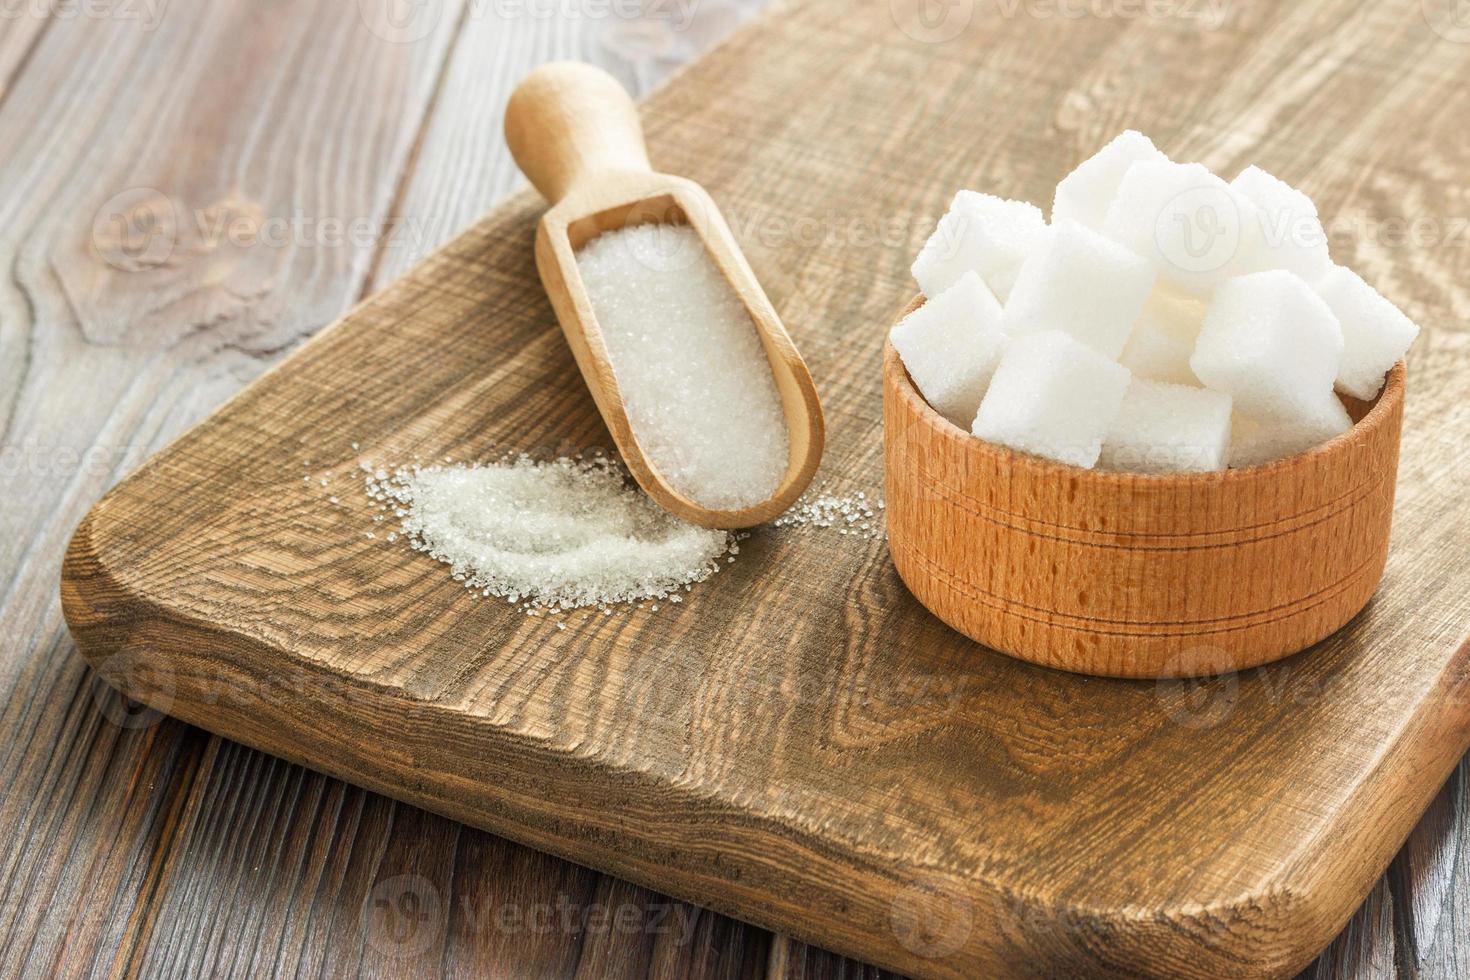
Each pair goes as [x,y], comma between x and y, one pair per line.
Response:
[462,167]
[128,845]
[105,354]
[119,811]
[1430,880]
[1076,843]
[19,35]
[1127,575]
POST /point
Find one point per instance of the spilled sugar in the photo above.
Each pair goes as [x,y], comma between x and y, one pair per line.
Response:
[693,374]
[568,534]
[855,515]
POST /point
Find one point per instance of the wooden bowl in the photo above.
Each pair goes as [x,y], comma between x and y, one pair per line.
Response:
[1134,575]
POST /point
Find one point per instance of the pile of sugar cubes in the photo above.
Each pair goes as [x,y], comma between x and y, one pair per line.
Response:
[1164,321]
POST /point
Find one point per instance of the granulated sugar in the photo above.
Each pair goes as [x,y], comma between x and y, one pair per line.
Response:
[568,533]
[854,514]
[689,363]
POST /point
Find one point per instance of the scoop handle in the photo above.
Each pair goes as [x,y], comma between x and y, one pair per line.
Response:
[567,122]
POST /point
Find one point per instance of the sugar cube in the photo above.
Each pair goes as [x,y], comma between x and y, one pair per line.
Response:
[983,234]
[1081,283]
[951,345]
[1375,333]
[1254,441]
[1287,233]
[1163,338]
[1271,343]
[1184,219]
[1053,396]
[1168,428]
[1085,194]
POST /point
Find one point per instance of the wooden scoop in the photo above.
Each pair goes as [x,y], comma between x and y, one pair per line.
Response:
[575,133]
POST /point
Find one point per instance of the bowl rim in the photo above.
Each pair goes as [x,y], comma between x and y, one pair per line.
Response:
[1379,411]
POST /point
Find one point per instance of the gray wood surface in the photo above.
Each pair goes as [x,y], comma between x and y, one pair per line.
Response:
[136,844]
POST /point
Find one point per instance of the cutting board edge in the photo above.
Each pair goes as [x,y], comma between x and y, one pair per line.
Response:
[1297,911]
[93,599]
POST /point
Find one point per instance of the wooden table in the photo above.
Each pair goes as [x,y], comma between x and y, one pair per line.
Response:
[300,156]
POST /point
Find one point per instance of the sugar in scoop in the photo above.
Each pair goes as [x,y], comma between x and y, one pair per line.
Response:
[703,391]
[693,375]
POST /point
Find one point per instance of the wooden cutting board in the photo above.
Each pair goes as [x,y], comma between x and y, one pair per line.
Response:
[799,744]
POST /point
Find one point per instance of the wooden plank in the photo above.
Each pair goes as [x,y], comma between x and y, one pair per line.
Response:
[302,922]
[463,167]
[1100,817]
[158,752]
[794,960]
[1431,879]
[182,883]
[285,871]
[18,37]
[112,342]
[1365,949]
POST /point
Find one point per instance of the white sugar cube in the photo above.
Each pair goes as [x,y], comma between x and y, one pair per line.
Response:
[1184,219]
[1375,333]
[1254,441]
[1081,283]
[1168,428]
[950,347]
[1085,194]
[1163,338]
[982,234]
[1270,342]
[1053,396]
[1287,234]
